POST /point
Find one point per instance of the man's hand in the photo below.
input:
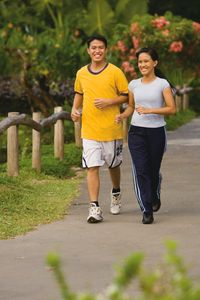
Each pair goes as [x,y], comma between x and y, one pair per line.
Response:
[102,103]
[75,115]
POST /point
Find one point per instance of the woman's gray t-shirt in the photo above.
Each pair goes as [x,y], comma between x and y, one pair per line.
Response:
[149,95]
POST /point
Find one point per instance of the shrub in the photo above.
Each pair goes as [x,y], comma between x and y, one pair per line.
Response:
[168,281]
[176,39]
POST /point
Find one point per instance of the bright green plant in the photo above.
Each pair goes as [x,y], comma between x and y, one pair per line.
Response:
[102,15]
[167,281]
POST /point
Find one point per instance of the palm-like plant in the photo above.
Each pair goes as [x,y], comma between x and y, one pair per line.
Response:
[102,15]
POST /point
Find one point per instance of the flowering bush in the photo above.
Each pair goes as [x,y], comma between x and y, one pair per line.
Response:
[177,41]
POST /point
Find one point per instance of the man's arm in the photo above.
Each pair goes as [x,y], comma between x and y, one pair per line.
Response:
[77,104]
[104,103]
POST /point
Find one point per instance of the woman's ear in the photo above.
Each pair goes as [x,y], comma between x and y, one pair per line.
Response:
[155,63]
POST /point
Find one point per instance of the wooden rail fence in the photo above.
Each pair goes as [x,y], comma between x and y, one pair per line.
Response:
[15,119]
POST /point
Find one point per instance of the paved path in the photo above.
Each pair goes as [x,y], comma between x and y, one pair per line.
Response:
[89,251]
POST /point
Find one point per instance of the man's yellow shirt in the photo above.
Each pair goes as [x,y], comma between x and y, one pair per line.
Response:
[99,124]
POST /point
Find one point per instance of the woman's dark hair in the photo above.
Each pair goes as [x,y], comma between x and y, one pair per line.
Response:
[97,37]
[154,56]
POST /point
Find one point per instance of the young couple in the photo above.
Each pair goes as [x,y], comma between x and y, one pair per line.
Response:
[100,88]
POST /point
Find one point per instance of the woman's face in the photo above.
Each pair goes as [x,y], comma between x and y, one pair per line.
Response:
[146,64]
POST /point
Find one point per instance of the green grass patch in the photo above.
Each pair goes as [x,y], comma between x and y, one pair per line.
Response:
[31,198]
[181,118]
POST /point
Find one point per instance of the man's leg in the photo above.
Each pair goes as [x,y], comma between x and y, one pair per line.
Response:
[93,182]
[115,175]
[115,205]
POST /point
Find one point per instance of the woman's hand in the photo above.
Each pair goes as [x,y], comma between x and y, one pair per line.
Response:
[142,110]
[119,118]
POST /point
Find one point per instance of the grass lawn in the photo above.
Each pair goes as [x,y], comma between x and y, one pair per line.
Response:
[32,199]
[181,118]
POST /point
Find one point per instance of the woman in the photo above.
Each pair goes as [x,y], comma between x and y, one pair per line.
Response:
[150,99]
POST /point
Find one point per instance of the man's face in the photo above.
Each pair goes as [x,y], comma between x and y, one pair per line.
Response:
[97,51]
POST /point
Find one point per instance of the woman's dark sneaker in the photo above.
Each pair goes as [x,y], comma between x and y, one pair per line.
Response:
[156,205]
[147,218]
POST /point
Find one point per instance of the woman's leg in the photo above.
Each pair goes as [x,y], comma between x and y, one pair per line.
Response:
[138,147]
[157,145]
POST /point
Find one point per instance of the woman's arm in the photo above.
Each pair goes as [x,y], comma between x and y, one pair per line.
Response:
[168,109]
[129,109]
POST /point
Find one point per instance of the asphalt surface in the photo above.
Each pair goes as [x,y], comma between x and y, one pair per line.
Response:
[90,252]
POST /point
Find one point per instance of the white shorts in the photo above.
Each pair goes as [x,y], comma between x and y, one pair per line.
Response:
[98,153]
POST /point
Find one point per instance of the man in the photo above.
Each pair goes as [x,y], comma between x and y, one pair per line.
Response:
[100,88]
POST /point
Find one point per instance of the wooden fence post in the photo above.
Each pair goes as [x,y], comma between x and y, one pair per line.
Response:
[77,132]
[185,99]
[59,136]
[12,148]
[178,101]
[36,144]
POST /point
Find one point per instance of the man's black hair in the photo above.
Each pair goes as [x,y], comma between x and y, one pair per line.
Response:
[97,37]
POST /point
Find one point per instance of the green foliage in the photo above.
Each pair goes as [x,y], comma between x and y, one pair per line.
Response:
[125,9]
[181,118]
[167,281]
[103,15]
[99,16]
[42,43]
[52,166]
[195,95]
[54,262]
[129,270]
[58,168]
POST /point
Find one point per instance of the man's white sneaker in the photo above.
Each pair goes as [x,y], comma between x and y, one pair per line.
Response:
[95,214]
[115,203]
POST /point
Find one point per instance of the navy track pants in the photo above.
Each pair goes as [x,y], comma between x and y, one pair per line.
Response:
[146,146]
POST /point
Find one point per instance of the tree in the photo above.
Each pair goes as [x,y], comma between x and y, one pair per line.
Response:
[189,10]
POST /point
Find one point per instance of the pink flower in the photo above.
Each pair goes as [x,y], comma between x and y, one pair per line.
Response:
[165,32]
[132,51]
[134,27]
[128,68]
[160,22]
[176,46]
[125,66]
[196,26]
[121,46]
[135,42]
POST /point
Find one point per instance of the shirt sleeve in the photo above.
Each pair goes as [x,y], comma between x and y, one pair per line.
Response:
[122,83]
[77,85]
[131,85]
[165,84]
